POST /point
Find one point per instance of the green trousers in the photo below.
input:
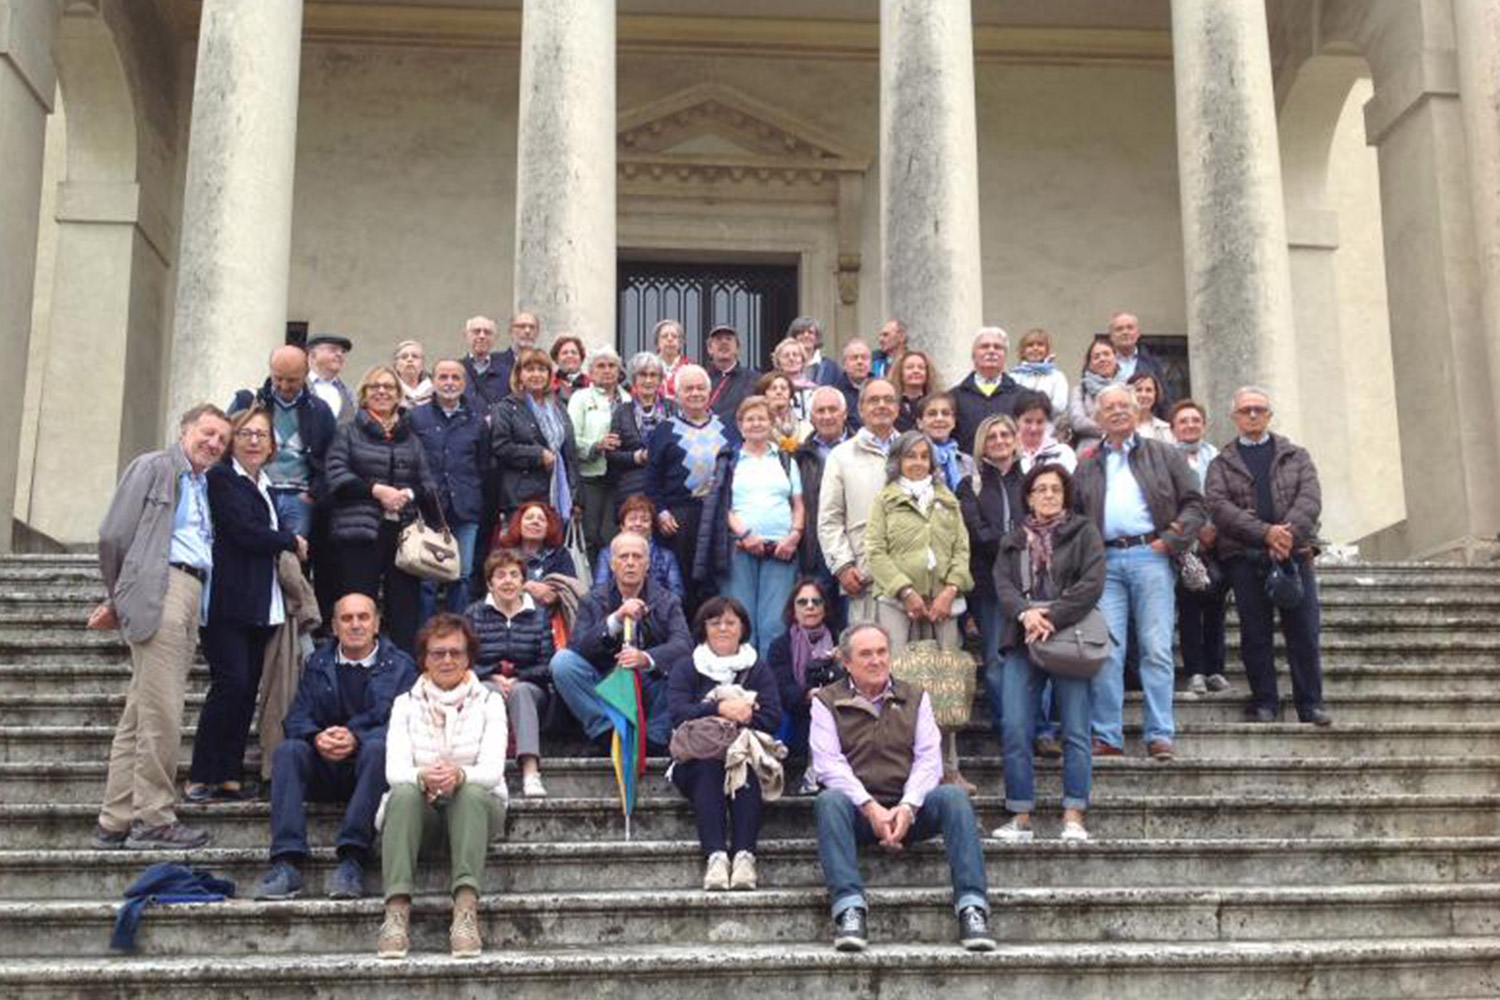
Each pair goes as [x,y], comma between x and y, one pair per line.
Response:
[412,823]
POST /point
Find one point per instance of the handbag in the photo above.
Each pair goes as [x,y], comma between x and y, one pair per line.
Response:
[428,553]
[1284,584]
[1077,650]
[573,542]
[1193,571]
[704,738]
[947,675]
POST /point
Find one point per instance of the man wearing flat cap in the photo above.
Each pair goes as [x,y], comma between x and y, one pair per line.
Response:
[326,353]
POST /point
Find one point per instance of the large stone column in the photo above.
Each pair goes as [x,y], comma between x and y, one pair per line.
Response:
[929,177]
[565,169]
[237,210]
[1239,288]
[27,86]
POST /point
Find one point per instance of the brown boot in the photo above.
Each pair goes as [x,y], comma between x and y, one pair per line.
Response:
[395,932]
[464,935]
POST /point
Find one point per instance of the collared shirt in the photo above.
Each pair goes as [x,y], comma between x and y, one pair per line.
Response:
[988,385]
[480,366]
[824,447]
[193,532]
[835,772]
[1127,365]
[367,662]
[329,391]
[1125,509]
[277,613]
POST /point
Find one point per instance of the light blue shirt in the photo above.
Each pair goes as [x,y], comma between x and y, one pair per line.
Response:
[1125,509]
[763,493]
[1127,365]
[193,532]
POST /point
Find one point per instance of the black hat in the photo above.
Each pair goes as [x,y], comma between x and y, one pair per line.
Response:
[722,331]
[343,343]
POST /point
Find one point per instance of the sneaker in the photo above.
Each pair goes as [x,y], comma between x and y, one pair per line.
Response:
[171,837]
[716,873]
[974,930]
[395,932]
[197,792]
[1103,749]
[1218,682]
[347,881]
[1048,747]
[1197,685]
[281,881]
[1013,833]
[1160,749]
[1074,832]
[1317,716]
[1256,713]
[850,930]
[105,839]
[742,874]
[463,936]
[809,785]
[532,787]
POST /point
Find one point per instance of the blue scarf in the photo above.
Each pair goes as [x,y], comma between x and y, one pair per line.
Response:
[549,419]
[1036,367]
[1094,383]
[945,457]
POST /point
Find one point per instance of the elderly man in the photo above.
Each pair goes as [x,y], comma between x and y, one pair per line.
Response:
[892,346]
[631,624]
[326,354]
[456,440]
[156,554]
[680,461]
[1145,501]
[829,431]
[486,379]
[729,380]
[853,475]
[820,370]
[303,425]
[986,389]
[852,380]
[1125,334]
[525,328]
[1265,500]
[876,750]
[335,750]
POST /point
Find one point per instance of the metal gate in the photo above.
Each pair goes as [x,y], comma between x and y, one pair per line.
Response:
[758,300]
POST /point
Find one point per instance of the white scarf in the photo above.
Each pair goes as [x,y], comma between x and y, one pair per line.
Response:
[447,725]
[920,490]
[721,669]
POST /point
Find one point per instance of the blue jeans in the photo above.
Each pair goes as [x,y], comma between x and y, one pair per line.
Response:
[946,812]
[762,586]
[300,775]
[574,678]
[292,512]
[987,610]
[459,596]
[1023,688]
[1140,596]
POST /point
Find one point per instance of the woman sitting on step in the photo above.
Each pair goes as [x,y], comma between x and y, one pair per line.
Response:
[445,763]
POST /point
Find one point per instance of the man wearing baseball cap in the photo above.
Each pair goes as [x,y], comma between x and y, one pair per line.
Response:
[729,381]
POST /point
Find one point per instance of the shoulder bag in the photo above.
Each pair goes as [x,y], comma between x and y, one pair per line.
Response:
[428,553]
[947,675]
[1077,650]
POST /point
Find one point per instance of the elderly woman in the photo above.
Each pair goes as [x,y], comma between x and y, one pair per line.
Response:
[788,430]
[1038,370]
[638,516]
[445,764]
[916,379]
[918,548]
[1101,367]
[802,659]
[571,373]
[723,657]
[752,524]
[377,478]
[244,604]
[592,411]
[531,440]
[936,414]
[1050,574]
[790,359]
[1035,443]
[410,362]
[670,344]
[1147,393]
[633,424]
[515,657]
[1200,613]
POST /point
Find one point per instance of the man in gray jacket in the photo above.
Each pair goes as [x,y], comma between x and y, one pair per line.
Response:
[156,554]
[1145,501]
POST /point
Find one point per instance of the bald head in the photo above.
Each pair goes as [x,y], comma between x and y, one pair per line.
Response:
[288,371]
[356,623]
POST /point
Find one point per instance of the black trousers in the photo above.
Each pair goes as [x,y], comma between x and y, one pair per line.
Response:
[235,655]
[370,568]
[702,783]
[1200,622]
[1301,626]
[685,546]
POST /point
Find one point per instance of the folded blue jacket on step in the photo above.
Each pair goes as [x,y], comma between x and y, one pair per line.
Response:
[166,882]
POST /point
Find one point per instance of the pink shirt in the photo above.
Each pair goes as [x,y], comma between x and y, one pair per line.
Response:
[833,770]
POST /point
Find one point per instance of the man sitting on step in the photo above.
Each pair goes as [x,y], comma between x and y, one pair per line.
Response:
[335,749]
[877,752]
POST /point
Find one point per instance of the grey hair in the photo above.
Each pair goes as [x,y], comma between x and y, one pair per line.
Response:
[687,370]
[627,536]
[1114,387]
[812,401]
[900,448]
[599,354]
[846,637]
[641,360]
[853,342]
[1234,401]
[985,331]
[801,323]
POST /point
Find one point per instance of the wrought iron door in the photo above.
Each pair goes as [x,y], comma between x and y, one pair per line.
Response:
[758,300]
[1172,352]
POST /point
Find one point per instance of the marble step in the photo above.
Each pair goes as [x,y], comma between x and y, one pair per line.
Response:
[1359,967]
[654,865]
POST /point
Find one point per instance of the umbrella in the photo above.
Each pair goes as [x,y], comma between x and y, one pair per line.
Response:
[621,691]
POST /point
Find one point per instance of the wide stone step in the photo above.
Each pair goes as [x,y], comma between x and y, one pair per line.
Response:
[1360,967]
[60,782]
[770,916]
[653,865]
[245,824]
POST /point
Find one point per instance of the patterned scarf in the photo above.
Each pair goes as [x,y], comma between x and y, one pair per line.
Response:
[1035,367]
[1041,534]
[808,644]
[1094,383]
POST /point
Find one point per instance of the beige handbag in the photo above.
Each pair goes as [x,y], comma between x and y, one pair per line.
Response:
[428,553]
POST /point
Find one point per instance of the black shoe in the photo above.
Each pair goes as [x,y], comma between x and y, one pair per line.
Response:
[105,839]
[974,930]
[850,931]
[1317,716]
[1260,714]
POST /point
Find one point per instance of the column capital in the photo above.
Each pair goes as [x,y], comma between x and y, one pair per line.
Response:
[1432,74]
[26,31]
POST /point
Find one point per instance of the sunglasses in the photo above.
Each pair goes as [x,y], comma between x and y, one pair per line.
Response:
[809,602]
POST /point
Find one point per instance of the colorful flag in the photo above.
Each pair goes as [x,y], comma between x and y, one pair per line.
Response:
[621,691]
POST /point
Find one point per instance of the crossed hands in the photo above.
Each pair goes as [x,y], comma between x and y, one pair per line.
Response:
[890,825]
[335,743]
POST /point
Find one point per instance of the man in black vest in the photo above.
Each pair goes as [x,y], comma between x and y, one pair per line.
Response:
[876,751]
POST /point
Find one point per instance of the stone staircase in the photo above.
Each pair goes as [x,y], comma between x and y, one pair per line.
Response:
[1266,861]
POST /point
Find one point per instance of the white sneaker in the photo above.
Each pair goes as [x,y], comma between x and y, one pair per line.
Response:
[1013,833]
[1197,685]
[742,873]
[716,872]
[1074,832]
[532,787]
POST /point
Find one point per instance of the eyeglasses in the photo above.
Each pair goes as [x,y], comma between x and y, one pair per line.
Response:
[1046,489]
[1253,411]
[250,435]
[381,387]
[809,602]
[441,655]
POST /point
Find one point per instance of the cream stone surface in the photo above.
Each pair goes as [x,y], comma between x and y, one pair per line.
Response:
[237,212]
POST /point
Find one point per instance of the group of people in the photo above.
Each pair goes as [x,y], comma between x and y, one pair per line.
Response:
[810,522]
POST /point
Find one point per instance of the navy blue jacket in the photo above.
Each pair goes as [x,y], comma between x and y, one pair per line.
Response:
[524,641]
[316,706]
[315,424]
[686,688]
[970,407]
[458,455]
[662,633]
[549,561]
[245,549]
[483,391]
